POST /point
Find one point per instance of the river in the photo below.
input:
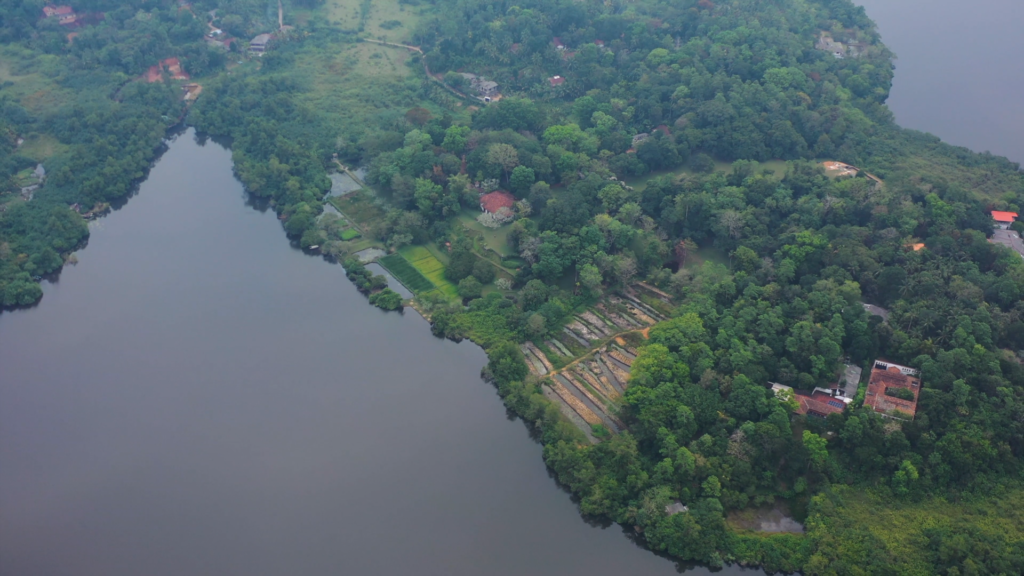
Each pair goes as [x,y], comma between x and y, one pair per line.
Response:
[198,397]
[960,69]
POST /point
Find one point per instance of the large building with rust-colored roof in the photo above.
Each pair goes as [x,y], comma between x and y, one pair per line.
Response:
[893,390]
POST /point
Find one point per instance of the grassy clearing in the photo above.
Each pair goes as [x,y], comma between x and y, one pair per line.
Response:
[697,258]
[386,20]
[494,238]
[359,208]
[406,273]
[29,81]
[39,147]
[431,267]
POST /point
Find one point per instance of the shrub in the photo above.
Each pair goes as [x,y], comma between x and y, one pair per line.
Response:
[386,299]
[470,287]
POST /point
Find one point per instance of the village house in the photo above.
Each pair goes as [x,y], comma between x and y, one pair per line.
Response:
[819,403]
[557,42]
[496,200]
[64,14]
[640,138]
[893,390]
[825,42]
[556,81]
[486,89]
[173,67]
[1003,220]
[258,45]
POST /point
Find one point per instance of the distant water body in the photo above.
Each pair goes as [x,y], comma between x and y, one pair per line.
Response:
[196,397]
[959,69]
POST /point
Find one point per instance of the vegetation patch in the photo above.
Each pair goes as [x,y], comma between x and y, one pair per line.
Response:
[430,267]
[406,273]
[358,207]
[495,239]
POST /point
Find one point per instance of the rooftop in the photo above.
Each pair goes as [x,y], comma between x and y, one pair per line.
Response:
[820,404]
[556,80]
[884,385]
[496,200]
[1003,216]
[173,67]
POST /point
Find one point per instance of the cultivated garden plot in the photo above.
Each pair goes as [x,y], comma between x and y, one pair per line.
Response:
[587,366]
[406,273]
[430,267]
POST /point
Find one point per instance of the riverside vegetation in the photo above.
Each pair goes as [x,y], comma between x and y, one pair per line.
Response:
[703,84]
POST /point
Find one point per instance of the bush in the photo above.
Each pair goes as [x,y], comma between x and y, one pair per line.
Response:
[470,287]
[386,299]
[484,271]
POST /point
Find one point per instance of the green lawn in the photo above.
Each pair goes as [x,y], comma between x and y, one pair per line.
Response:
[406,273]
[431,267]
[708,254]
[371,14]
[494,238]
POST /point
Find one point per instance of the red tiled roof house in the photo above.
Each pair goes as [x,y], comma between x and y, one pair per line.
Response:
[818,403]
[496,201]
[893,390]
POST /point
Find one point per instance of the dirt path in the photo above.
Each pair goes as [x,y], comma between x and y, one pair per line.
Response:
[603,342]
[425,67]
[406,46]
[351,174]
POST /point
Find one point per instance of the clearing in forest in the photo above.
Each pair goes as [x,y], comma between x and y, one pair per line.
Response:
[494,238]
[387,20]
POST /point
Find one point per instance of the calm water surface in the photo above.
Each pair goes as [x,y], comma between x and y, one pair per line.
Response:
[960,69]
[196,397]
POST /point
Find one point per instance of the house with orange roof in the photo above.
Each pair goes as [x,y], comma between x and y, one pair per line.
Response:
[1003,220]
[893,390]
[496,201]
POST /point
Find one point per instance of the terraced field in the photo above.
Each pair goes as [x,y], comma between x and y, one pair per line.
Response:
[430,267]
[406,273]
[587,365]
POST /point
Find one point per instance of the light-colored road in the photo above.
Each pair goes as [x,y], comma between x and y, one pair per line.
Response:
[1010,239]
